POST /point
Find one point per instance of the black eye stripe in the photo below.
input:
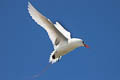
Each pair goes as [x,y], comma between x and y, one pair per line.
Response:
[83,41]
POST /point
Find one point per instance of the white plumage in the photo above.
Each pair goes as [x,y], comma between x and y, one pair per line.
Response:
[61,38]
[62,30]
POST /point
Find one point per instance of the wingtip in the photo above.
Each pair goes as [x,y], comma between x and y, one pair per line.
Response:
[57,22]
[29,5]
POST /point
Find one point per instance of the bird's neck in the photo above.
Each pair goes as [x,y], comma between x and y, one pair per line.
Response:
[75,42]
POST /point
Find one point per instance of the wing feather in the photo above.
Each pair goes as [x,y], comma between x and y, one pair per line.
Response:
[62,30]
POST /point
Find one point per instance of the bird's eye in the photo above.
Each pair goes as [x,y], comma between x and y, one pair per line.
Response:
[83,42]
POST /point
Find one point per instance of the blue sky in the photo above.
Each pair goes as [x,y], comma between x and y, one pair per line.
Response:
[25,47]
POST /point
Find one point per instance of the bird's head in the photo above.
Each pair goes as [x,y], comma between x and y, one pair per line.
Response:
[84,45]
[79,42]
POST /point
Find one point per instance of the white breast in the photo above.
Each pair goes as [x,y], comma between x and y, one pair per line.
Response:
[67,47]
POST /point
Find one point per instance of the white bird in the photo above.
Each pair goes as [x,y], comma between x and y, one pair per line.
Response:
[61,38]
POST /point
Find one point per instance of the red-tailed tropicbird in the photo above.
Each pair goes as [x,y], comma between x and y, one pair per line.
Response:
[61,38]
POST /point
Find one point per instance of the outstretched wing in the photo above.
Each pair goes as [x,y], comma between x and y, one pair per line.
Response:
[62,30]
[55,35]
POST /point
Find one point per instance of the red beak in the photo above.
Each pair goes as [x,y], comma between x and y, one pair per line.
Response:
[85,45]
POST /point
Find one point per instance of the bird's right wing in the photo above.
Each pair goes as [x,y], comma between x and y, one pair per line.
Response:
[55,35]
[62,30]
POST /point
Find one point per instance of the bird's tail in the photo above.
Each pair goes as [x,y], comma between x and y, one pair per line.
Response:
[52,58]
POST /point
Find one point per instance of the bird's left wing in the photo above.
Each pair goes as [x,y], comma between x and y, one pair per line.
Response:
[55,35]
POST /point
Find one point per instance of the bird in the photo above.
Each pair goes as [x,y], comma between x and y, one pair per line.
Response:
[61,39]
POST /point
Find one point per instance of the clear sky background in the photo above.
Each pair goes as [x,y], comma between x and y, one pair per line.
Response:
[25,46]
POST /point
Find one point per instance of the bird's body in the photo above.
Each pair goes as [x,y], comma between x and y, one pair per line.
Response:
[61,38]
[66,47]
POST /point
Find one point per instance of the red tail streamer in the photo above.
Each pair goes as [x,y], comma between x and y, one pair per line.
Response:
[39,74]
